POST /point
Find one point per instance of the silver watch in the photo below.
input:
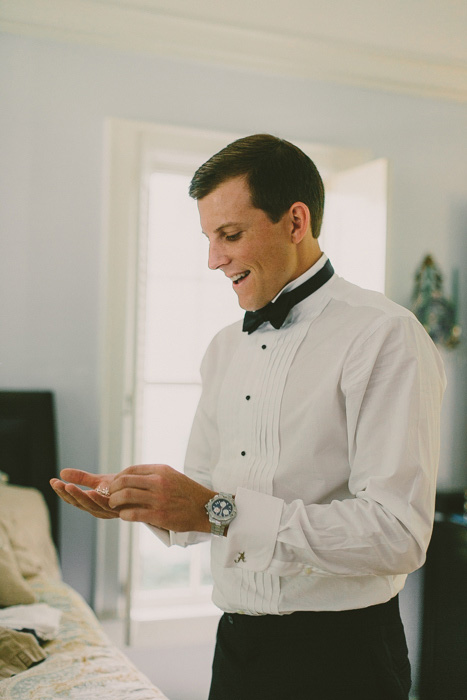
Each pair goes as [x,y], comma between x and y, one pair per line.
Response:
[221,510]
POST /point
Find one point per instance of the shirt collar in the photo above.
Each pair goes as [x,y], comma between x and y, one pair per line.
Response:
[305,276]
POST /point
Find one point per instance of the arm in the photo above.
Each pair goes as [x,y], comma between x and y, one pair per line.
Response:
[392,385]
[165,499]
[154,494]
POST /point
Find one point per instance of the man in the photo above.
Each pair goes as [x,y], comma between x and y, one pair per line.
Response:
[313,453]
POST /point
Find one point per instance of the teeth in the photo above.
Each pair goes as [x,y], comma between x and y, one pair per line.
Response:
[235,278]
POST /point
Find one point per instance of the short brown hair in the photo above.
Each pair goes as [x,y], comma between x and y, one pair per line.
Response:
[277,172]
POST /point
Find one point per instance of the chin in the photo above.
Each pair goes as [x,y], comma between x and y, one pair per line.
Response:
[247,306]
[243,304]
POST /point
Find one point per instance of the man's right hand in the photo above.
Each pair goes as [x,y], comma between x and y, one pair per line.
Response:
[90,500]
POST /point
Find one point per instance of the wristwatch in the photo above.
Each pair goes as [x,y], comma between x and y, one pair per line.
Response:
[221,510]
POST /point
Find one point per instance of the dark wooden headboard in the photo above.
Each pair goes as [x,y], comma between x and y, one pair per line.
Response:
[28,447]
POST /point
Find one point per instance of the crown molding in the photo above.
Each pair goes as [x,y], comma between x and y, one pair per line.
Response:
[140,29]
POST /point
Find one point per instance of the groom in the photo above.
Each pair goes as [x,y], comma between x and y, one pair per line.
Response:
[313,454]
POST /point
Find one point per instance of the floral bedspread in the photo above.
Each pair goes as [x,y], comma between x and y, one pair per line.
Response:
[81,663]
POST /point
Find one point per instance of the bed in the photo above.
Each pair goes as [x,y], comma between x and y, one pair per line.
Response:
[62,651]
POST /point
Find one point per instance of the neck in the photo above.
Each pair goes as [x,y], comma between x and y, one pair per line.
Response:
[308,253]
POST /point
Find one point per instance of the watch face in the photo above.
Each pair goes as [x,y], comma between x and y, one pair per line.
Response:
[222,509]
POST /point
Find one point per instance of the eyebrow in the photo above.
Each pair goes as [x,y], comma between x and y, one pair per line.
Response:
[229,224]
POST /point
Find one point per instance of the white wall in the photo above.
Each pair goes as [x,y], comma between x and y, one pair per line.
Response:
[54,99]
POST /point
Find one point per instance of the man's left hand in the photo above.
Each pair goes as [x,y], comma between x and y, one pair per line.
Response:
[161,496]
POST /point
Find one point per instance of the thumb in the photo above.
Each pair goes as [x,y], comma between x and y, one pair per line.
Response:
[81,478]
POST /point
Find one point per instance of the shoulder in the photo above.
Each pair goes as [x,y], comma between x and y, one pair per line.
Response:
[358,312]
[365,303]
[367,319]
[380,331]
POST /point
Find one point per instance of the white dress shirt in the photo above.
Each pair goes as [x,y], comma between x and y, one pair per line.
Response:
[327,432]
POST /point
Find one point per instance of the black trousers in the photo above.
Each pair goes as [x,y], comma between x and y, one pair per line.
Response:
[348,655]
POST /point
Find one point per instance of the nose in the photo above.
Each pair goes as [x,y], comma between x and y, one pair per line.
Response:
[217,256]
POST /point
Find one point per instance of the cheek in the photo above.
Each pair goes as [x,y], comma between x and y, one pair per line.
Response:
[275,260]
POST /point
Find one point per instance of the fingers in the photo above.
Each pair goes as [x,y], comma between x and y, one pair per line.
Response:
[139,491]
[133,493]
[95,501]
[130,499]
[138,515]
[133,481]
[146,469]
[89,501]
[80,477]
[99,482]
[59,488]
[102,502]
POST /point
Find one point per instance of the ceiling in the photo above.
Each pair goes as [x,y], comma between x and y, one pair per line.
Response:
[408,46]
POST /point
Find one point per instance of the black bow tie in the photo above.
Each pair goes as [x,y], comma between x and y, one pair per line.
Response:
[277,311]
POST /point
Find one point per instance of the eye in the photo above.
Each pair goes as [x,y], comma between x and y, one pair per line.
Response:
[233,236]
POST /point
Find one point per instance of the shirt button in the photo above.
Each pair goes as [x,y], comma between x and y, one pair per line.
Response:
[248,398]
[243,453]
[263,347]
[308,570]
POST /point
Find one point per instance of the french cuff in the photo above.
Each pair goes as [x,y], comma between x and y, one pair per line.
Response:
[182,539]
[252,536]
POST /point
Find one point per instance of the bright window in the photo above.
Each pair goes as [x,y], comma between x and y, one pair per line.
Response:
[184,305]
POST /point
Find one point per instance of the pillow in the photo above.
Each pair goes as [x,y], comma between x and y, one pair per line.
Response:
[25,517]
[14,590]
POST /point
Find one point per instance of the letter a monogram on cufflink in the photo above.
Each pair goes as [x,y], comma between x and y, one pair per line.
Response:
[241,557]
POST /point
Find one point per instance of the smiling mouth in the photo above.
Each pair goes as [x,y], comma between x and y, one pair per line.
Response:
[236,279]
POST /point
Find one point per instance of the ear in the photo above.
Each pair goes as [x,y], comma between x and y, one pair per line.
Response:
[300,219]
